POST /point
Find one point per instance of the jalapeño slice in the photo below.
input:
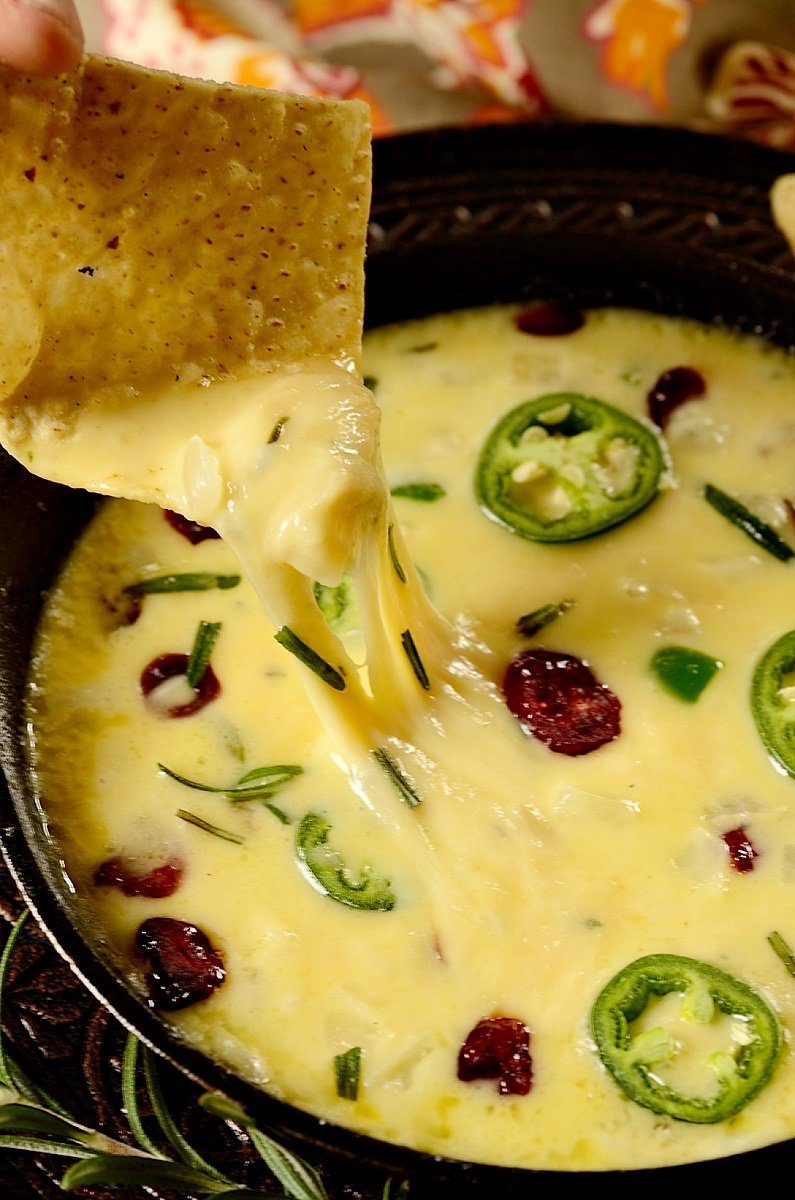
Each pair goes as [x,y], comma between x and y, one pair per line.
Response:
[565,466]
[325,869]
[773,701]
[636,1058]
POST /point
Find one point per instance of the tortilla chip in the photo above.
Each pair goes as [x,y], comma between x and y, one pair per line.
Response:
[154,227]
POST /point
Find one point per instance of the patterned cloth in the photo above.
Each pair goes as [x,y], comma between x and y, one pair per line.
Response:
[727,64]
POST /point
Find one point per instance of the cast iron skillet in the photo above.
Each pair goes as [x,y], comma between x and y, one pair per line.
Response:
[662,219]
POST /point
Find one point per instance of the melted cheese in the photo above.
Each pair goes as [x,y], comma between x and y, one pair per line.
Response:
[524,879]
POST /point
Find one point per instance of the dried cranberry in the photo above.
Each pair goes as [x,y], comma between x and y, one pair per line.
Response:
[560,701]
[498,1048]
[155,884]
[185,967]
[189,529]
[673,388]
[741,849]
[549,318]
[167,666]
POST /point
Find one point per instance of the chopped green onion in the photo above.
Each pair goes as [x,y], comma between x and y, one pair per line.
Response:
[758,530]
[390,537]
[533,622]
[684,672]
[215,830]
[258,784]
[203,644]
[347,1073]
[189,582]
[412,654]
[428,492]
[782,949]
[398,779]
[310,658]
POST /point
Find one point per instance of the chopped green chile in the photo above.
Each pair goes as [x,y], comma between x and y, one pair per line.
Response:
[684,672]
[564,467]
[197,581]
[338,605]
[533,622]
[636,1060]
[773,701]
[347,1073]
[425,492]
[752,525]
[328,873]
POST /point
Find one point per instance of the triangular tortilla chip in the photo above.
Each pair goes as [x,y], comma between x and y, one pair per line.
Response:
[155,228]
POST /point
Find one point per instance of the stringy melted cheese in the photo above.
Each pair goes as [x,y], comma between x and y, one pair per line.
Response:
[524,879]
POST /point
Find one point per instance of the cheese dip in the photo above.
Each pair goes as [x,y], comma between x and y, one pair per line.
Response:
[424,923]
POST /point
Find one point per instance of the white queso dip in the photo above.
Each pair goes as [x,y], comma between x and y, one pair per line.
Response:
[527,898]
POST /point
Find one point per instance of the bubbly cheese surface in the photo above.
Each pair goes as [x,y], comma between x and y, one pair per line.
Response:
[524,879]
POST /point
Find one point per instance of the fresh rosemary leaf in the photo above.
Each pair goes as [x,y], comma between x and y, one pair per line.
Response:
[279,813]
[203,644]
[299,1180]
[758,530]
[27,1118]
[221,1106]
[208,827]
[5,960]
[412,654]
[423,347]
[43,1146]
[185,1151]
[427,492]
[128,1170]
[347,1073]
[390,537]
[305,654]
[198,581]
[258,784]
[533,622]
[398,779]
[276,432]
[129,1095]
[782,949]
[371,382]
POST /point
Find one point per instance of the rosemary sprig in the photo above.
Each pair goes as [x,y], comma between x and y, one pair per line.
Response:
[310,658]
[782,948]
[196,581]
[390,537]
[30,1126]
[203,643]
[413,655]
[396,776]
[347,1073]
[257,784]
[533,622]
[207,826]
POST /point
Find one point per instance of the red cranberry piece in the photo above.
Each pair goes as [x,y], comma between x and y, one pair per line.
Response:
[189,529]
[673,388]
[560,701]
[166,666]
[549,318]
[498,1048]
[741,849]
[184,967]
[155,884]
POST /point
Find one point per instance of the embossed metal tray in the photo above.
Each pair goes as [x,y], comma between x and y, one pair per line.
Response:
[657,218]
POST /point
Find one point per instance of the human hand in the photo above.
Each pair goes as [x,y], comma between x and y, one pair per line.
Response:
[40,37]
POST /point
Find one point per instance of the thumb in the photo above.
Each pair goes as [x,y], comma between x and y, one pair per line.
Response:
[40,37]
